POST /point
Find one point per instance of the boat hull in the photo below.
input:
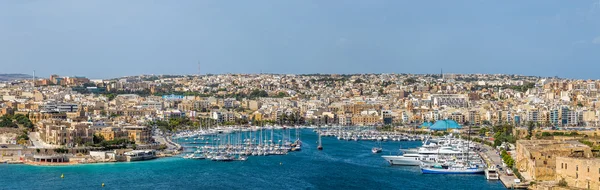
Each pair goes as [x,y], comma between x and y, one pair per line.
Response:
[402,161]
[445,171]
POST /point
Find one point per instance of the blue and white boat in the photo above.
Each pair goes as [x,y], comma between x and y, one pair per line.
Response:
[456,169]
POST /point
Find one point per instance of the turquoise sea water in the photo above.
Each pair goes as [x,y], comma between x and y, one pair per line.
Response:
[341,165]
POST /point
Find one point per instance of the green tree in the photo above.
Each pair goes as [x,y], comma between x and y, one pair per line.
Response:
[530,128]
[78,140]
[111,96]
[162,147]
[258,93]
[410,81]
[281,95]
[61,150]
[562,183]
[97,139]
[6,121]
[482,131]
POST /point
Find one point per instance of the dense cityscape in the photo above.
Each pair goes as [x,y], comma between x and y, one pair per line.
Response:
[300,94]
[544,129]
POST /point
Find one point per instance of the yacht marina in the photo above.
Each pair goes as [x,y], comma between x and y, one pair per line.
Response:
[365,133]
[237,144]
[442,155]
[436,155]
[305,169]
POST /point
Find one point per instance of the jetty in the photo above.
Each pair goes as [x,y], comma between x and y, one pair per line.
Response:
[493,159]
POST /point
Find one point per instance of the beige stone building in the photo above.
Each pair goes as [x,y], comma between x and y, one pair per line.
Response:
[254,105]
[579,172]
[112,133]
[139,134]
[537,158]
[365,119]
[58,132]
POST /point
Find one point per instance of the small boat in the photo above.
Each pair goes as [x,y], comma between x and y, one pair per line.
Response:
[320,147]
[222,158]
[376,150]
[197,157]
[297,148]
[242,158]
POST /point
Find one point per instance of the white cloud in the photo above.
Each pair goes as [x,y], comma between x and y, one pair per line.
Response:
[596,40]
[580,42]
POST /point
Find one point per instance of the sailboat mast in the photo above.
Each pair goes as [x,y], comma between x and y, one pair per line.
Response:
[468,143]
[319,139]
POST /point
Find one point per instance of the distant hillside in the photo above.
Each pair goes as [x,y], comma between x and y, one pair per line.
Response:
[11,77]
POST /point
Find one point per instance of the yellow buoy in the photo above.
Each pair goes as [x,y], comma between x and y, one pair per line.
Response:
[280,163]
[62,175]
[102,184]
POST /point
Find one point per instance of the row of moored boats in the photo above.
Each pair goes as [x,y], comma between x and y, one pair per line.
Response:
[443,155]
[239,145]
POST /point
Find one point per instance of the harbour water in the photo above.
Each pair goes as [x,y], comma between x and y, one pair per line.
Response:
[341,165]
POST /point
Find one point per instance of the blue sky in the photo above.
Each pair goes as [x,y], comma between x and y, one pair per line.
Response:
[102,39]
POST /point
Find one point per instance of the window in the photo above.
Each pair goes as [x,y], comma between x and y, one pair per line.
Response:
[576,175]
[576,168]
[562,165]
[566,166]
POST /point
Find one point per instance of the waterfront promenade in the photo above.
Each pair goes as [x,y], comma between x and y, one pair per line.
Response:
[493,158]
[167,141]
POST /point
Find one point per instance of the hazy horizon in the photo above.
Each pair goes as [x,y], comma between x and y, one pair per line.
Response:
[109,39]
[204,74]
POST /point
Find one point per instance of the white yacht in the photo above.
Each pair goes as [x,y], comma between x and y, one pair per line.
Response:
[428,155]
[409,159]
[491,173]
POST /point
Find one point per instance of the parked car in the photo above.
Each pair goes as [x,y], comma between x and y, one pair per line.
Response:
[509,172]
[4,146]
